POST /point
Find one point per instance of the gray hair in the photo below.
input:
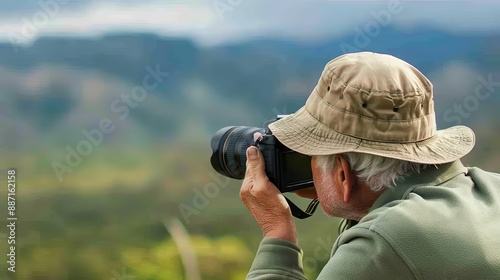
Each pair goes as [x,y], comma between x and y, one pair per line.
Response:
[378,172]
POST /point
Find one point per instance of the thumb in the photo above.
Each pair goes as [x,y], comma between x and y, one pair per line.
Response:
[255,163]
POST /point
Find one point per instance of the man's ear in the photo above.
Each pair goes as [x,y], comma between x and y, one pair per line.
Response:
[345,177]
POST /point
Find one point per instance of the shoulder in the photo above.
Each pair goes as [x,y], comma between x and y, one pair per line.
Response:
[399,232]
[363,253]
[480,176]
[433,232]
[386,233]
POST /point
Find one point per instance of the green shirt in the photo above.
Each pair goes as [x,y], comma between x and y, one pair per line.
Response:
[440,224]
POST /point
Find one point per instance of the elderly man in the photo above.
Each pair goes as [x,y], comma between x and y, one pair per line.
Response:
[378,160]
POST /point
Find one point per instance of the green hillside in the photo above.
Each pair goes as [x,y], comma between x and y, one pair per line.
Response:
[99,174]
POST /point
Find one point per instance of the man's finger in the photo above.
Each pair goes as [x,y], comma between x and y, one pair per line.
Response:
[256,136]
[255,164]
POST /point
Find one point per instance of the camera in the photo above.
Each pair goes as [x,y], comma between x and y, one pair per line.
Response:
[286,169]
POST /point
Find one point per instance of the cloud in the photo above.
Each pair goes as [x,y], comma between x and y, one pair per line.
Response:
[173,19]
[215,21]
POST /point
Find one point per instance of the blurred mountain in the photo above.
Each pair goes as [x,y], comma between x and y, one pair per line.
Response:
[58,86]
[99,210]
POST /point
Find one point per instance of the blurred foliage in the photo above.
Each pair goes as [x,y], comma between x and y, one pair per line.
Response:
[104,219]
[115,226]
[223,258]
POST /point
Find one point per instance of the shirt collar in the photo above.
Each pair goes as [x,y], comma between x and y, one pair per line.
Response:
[430,176]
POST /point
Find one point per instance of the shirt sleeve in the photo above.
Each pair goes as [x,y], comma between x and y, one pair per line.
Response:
[364,254]
[277,259]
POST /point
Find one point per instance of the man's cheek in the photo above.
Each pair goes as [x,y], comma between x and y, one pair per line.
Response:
[324,201]
[316,174]
[322,194]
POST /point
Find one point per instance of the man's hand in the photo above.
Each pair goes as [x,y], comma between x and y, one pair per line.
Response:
[267,205]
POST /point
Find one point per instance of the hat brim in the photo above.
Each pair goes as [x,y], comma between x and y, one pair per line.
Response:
[303,133]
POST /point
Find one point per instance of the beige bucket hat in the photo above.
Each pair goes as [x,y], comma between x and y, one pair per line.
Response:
[375,104]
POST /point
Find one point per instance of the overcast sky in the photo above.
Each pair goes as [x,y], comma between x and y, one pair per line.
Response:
[213,22]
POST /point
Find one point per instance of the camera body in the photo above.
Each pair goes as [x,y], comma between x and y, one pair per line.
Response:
[285,168]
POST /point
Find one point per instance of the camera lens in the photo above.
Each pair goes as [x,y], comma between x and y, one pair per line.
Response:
[229,147]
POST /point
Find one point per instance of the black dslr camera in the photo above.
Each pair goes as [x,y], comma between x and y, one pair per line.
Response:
[287,169]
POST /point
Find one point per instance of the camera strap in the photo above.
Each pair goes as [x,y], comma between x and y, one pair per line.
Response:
[298,213]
